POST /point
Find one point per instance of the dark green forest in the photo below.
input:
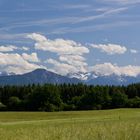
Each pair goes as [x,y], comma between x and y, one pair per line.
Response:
[68,97]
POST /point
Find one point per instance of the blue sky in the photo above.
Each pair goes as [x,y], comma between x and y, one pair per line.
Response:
[101,36]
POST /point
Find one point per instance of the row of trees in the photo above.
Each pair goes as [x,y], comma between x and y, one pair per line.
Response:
[50,97]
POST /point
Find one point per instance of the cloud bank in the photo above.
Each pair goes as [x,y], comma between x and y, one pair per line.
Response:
[70,57]
[59,46]
[70,53]
[110,49]
[15,63]
[31,58]
[107,69]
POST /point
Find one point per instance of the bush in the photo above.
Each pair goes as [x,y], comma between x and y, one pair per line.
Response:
[14,103]
[3,107]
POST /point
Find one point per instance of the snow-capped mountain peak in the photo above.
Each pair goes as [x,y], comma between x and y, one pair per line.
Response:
[80,75]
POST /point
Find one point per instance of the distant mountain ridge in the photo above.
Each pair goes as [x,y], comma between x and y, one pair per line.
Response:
[113,80]
[42,76]
[95,79]
[38,76]
[4,73]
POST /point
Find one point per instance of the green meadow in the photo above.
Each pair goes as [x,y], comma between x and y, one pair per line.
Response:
[118,124]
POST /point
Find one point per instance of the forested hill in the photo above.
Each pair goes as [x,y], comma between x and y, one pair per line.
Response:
[50,97]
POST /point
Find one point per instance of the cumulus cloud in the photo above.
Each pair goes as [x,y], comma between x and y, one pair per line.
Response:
[70,53]
[31,57]
[107,69]
[11,48]
[110,49]
[25,48]
[62,68]
[133,51]
[68,64]
[59,46]
[70,57]
[75,60]
[15,63]
[8,48]
[37,37]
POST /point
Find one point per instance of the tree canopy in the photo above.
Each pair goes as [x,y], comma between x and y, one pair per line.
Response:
[68,97]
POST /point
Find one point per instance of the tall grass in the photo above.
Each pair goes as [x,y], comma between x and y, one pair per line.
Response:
[121,124]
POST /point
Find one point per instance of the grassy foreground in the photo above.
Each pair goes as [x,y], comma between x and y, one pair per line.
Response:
[120,124]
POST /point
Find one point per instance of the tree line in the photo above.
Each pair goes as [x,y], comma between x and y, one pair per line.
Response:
[68,97]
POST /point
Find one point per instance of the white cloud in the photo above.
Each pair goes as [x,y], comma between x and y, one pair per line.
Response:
[133,51]
[59,46]
[62,68]
[75,60]
[70,53]
[15,63]
[65,68]
[70,57]
[110,49]
[79,62]
[8,48]
[107,69]
[31,57]
[11,48]
[37,37]
[25,48]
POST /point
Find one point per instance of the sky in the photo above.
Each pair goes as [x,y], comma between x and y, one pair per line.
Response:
[100,36]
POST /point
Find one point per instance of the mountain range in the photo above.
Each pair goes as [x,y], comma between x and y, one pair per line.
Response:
[38,76]
[42,76]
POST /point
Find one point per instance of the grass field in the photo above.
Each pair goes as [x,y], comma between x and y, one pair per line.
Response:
[120,124]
